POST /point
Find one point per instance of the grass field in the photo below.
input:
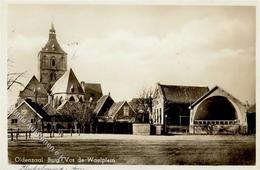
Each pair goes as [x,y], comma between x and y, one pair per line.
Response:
[148,150]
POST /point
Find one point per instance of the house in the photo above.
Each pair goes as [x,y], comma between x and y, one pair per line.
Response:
[28,112]
[170,107]
[217,112]
[113,117]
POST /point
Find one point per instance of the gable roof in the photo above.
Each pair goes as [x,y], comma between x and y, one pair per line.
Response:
[114,109]
[182,94]
[100,103]
[93,87]
[29,89]
[52,44]
[36,108]
[210,92]
[112,112]
[66,82]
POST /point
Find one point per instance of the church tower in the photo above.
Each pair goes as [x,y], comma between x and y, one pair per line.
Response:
[53,61]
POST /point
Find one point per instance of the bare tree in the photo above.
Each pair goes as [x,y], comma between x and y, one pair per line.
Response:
[143,104]
[14,78]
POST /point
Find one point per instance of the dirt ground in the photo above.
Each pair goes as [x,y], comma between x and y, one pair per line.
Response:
[139,150]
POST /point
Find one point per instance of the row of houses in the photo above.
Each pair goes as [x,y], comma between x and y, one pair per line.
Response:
[175,110]
[58,100]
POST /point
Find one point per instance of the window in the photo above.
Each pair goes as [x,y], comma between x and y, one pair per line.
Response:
[126,111]
[44,61]
[53,62]
[80,99]
[62,62]
[53,76]
[72,99]
[33,120]
[72,89]
[14,120]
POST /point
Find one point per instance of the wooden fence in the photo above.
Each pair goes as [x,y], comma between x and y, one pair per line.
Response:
[15,134]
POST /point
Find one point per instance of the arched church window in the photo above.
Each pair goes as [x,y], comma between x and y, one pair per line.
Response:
[80,99]
[72,89]
[44,62]
[53,76]
[62,62]
[53,63]
[72,99]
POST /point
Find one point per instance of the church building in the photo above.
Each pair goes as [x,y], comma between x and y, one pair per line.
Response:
[67,101]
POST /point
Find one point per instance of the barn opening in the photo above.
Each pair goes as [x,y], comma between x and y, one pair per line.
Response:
[216,108]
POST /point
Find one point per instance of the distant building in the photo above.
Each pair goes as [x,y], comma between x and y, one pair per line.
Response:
[170,109]
[218,112]
[113,117]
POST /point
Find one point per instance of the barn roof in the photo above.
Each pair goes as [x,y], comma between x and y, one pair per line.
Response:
[52,44]
[66,82]
[114,109]
[38,109]
[182,94]
[100,103]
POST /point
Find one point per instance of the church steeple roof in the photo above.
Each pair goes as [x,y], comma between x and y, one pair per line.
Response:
[52,45]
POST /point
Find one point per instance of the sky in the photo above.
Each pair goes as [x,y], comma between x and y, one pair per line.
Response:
[127,48]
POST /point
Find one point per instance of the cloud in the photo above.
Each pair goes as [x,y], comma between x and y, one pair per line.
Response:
[207,50]
[124,61]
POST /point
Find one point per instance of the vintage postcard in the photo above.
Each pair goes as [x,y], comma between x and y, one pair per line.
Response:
[128,84]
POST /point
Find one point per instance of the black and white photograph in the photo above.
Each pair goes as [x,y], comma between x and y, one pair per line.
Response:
[130,84]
